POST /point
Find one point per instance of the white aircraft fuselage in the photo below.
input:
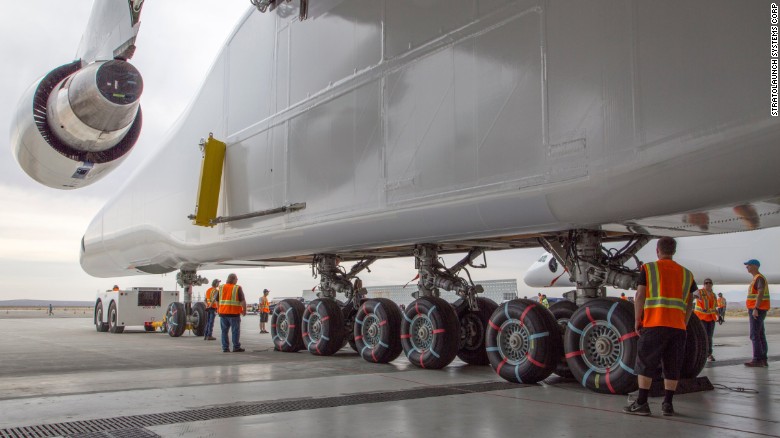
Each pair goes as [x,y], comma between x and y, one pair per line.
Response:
[460,121]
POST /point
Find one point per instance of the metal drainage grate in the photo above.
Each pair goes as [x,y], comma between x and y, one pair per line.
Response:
[132,426]
[122,433]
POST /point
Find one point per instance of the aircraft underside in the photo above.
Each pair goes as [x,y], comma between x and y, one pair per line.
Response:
[384,128]
[588,336]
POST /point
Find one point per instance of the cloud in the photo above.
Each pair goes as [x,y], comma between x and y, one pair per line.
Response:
[48,227]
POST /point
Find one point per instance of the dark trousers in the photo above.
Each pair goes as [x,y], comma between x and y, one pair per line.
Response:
[758,335]
[709,327]
[232,323]
[211,313]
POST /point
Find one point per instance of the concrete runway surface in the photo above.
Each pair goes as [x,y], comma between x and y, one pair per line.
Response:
[59,377]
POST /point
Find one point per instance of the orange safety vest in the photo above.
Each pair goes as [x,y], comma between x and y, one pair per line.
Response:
[753,294]
[624,298]
[705,306]
[228,300]
[211,298]
[721,302]
[265,305]
[668,293]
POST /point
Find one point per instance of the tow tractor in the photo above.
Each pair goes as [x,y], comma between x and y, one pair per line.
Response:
[138,306]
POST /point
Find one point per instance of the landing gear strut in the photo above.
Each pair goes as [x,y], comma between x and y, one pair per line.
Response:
[599,343]
[432,331]
[179,316]
[328,325]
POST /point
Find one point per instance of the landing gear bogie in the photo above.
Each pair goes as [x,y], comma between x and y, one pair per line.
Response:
[523,341]
[430,333]
[473,327]
[176,318]
[695,349]
[377,330]
[286,326]
[562,312]
[601,346]
[198,319]
[323,327]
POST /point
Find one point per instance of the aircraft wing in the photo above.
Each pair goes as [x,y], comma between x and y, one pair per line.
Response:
[111,31]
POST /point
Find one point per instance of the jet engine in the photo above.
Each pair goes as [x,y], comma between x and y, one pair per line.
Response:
[77,124]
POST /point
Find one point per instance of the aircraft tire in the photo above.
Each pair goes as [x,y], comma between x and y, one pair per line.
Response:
[377,331]
[522,341]
[113,314]
[323,327]
[286,326]
[430,333]
[199,319]
[695,349]
[176,318]
[353,345]
[601,346]
[100,326]
[473,327]
[562,312]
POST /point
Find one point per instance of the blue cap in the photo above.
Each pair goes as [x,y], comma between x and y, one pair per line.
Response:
[753,262]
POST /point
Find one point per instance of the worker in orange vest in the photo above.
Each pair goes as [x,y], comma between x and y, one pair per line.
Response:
[265,309]
[623,296]
[706,312]
[212,300]
[116,288]
[758,305]
[721,308]
[232,305]
[663,304]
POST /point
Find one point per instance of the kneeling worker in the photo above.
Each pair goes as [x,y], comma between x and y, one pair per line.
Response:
[663,303]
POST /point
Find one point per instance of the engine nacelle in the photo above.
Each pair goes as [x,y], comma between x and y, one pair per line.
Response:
[77,124]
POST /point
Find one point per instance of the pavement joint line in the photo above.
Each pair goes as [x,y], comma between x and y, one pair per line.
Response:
[249,409]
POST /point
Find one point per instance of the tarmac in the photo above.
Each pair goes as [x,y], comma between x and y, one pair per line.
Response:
[59,377]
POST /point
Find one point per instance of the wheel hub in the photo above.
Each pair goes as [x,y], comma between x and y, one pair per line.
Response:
[371,331]
[282,325]
[602,347]
[422,332]
[513,341]
[315,327]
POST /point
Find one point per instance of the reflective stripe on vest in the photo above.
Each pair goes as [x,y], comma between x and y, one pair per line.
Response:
[705,306]
[668,292]
[228,300]
[753,294]
[211,298]
[265,305]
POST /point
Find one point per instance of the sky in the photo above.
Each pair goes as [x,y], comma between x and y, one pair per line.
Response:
[40,228]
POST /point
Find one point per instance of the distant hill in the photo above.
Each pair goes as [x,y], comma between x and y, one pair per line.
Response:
[45,303]
[736,299]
